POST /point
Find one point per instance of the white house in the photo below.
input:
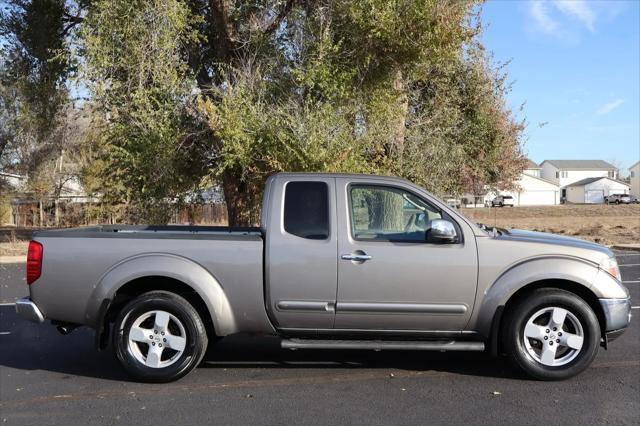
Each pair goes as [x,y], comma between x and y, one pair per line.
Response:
[536,191]
[634,175]
[594,189]
[532,169]
[533,190]
[566,172]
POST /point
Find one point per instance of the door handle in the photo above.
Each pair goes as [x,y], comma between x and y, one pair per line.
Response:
[356,257]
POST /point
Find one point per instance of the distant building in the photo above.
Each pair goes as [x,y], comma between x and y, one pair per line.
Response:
[566,172]
[593,190]
[634,176]
[533,190]
[532,169]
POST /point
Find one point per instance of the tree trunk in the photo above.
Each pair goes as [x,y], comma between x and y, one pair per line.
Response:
[240,200]
[392,203]
[402,108]
[389,212]
[40,213]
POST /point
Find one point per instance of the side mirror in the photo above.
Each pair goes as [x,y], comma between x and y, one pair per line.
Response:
[442,231]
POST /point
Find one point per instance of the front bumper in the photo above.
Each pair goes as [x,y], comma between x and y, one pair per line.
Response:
[29,310]
[617,313]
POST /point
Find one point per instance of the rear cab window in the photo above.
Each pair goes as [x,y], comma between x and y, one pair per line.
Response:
[306,209]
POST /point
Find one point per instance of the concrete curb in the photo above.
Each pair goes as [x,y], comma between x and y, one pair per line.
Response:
[13,259]
[632,247]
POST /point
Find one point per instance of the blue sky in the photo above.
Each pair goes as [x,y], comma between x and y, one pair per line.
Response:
[576,66]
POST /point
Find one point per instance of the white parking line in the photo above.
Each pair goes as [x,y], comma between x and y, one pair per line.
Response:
[635,307]
[7,304]
[630,282]
[2,333]
[629,264]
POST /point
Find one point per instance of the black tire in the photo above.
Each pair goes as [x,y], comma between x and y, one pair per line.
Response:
[196,336]
[516,320]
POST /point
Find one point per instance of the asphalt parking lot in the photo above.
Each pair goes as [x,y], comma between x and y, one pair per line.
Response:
[47,378]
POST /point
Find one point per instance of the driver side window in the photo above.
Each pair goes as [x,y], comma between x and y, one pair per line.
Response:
[385,213]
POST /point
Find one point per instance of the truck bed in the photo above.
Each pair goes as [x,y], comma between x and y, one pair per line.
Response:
[81,261]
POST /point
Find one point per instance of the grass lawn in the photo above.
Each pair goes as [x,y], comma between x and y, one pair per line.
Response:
[604,224]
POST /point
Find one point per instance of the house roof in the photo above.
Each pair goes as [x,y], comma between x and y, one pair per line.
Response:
[581,164]
[531,165]
[587,181]
[633,165]
[540,178]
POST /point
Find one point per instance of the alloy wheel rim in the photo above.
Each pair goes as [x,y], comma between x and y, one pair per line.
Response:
[157,339]
[553,336]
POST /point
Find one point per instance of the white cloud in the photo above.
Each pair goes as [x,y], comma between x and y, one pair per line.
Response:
[540,14]
[609,106]
[564,19]
[578,9]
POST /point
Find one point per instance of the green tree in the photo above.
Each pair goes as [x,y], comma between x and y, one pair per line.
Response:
[36,58]
[34,99]
[408,82]
[140,82]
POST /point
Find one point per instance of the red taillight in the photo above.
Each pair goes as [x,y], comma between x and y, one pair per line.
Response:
[34,261]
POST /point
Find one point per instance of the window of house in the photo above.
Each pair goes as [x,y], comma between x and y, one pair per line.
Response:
[306,210]
[633,173]
[557,175]
[612,174]
[389,214]
[565,174]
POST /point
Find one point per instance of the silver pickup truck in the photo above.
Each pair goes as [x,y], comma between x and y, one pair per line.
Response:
[339,262]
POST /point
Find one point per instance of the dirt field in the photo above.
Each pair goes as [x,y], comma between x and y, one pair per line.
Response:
[14,242]
[603,224]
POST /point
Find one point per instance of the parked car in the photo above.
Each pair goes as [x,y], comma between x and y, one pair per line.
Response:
[454,203]
[617,199]
[502,200]
[338,262]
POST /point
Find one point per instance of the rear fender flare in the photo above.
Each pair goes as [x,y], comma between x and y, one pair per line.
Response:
[170,266]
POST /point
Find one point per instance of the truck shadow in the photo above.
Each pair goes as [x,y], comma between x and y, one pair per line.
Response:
[32,347]
[265,352]
[28,346]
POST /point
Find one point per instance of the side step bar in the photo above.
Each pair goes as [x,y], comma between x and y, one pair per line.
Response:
[379,345]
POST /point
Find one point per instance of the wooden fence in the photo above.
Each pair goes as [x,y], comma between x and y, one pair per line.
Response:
[30,213]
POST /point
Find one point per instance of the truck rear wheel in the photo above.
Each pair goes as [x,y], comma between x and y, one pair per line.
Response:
[159,337]
[552,334]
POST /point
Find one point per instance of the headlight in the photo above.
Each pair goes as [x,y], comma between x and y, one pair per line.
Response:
[610,265]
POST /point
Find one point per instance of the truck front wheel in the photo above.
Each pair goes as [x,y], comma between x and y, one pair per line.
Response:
[159,337]
[552,334]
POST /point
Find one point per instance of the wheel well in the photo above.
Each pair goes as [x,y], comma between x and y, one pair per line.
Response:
[579,290]
[142,285]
